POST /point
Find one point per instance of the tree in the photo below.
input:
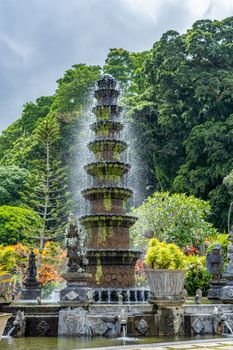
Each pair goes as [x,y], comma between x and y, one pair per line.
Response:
[208,160]
[188,86]
[126,66]
[18,224]
[173,218]
[12,181]
[16,139]
[74,91]
[49,197]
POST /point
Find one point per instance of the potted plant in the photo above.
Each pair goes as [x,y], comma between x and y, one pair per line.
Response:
[165,275]
[5,278]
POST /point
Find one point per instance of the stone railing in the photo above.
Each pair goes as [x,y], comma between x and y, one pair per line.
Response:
[118,296]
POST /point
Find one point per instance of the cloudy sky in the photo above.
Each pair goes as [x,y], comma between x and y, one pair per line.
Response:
[40,39]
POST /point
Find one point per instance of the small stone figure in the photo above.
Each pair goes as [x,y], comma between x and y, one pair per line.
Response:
[90,295]
[120,298]
[198,296]
[38,299]
[20,324]
[184,293]
[76,246]
[217,319]
[32,270]
[31,284]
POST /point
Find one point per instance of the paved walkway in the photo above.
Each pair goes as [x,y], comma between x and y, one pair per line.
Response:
[226,344]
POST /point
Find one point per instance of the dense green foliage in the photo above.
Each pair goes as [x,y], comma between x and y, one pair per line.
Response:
[18,224]
[174,218]
[12,181]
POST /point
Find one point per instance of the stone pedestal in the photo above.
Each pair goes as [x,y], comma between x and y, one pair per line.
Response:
[170,320]
[215,289]
[170,315]
[226,294]
[30,294]
[76,292]
[31,290]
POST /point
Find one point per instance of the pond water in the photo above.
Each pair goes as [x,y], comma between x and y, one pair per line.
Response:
[75,343]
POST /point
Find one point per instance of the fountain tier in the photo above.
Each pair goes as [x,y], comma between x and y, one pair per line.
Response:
[107,199]
[112,268]
[107,149]
[107,172]
[106,128]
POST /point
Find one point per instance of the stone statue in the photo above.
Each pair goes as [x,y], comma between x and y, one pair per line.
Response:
[215,261]
[32,290]
[20,324]
[75,293]
[76,246]
[32,270]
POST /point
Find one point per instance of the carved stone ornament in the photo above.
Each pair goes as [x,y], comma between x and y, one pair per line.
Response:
[43,328]
[198,326]
[142,326]
[72,295]
[229,293]
[98,326]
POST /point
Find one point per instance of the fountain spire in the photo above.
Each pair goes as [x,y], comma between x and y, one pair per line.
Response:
[111,261]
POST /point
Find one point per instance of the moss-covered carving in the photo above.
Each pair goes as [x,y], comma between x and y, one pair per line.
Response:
[99,271]
[107,201]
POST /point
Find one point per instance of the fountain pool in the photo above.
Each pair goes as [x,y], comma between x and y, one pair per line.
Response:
[76,343]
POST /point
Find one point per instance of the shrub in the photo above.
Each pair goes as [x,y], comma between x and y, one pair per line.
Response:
[197,275]
[161,255]
[173,218]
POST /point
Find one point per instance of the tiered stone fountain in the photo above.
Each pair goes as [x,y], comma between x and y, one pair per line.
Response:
[111,261]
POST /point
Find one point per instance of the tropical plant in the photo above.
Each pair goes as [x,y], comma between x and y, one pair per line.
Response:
[161,255]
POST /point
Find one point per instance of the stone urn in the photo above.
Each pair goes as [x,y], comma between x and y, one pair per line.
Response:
[166,286]
[3,320]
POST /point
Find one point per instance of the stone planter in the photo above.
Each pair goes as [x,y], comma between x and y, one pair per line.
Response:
[3,320]
[166,285]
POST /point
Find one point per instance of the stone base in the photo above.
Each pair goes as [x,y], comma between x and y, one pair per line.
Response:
[78,322]
[215,290]
[75,294]
[30,294]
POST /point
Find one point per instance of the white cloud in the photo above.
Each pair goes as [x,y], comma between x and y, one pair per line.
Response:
[21,50]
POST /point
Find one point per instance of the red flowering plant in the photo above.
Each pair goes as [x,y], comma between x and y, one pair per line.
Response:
[140,277]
